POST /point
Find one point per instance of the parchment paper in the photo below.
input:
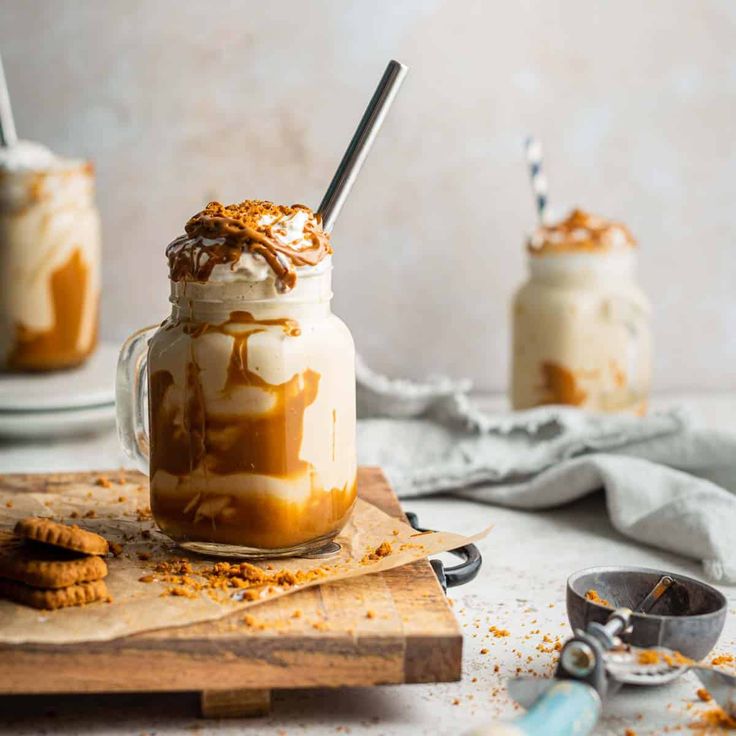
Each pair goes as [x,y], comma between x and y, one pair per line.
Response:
[118,509]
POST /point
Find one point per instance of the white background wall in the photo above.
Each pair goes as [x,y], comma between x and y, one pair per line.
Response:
[182,101]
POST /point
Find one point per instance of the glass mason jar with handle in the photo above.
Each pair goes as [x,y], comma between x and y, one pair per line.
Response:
[581,333]
[251,391]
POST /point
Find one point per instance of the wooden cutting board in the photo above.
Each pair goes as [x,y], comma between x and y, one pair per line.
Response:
[386,628]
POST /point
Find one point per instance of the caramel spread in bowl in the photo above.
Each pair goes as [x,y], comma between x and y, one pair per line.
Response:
[580,232]
[283,236]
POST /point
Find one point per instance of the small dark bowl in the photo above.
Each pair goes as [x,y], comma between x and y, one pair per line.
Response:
[688,618]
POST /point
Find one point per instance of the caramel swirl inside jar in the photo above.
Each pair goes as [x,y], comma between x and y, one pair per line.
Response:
[61,345]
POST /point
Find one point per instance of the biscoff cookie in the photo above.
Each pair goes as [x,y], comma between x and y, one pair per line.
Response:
[43,567]
[48,599]
[54,533]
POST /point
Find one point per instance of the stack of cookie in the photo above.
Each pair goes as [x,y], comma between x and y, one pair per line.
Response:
[49,565]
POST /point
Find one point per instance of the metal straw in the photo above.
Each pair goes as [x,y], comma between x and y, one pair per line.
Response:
[8,136]
[361,143]
[536,174]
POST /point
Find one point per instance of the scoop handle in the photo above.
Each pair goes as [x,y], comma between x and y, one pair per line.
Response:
[567,708]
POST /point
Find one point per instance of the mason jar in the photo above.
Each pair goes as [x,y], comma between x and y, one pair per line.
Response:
[49,266]
[581,333]
[251,410]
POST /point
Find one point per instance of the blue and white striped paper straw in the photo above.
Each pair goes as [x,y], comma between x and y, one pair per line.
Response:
[536,174]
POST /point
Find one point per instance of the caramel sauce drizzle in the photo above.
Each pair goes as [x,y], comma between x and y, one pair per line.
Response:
[177,437]
[239,227]
[266,443]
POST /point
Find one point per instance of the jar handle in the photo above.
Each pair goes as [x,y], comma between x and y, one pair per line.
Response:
[628,313]
[131,397]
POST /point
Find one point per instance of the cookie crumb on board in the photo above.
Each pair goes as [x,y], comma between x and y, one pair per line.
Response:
[383,550]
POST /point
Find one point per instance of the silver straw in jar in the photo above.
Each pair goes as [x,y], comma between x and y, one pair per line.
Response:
[360,145]
[536,175]
[8,136]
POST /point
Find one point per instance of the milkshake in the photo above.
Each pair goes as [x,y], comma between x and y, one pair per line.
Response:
[251,387]
[581,331]
[49,259]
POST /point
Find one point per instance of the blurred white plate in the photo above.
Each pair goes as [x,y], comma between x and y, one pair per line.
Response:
[92,385]
[57,423]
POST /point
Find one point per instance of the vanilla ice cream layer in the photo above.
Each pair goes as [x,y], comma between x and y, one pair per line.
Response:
[237,485]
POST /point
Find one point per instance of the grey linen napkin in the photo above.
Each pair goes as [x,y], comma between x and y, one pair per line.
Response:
[667,483]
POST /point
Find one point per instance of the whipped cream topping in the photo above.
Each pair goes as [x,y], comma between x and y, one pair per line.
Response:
[251,241]
[30,156]
[290,229]
[249,267]
[580,232]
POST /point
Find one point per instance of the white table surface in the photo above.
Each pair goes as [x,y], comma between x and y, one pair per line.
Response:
[520,588]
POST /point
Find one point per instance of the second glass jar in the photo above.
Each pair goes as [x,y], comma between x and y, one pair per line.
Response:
[49,267]
[581,333]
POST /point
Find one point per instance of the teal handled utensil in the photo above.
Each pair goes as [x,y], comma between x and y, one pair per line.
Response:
[675,618]
[566,708]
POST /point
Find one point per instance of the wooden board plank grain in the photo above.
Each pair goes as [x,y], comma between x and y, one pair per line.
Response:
[389,627]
